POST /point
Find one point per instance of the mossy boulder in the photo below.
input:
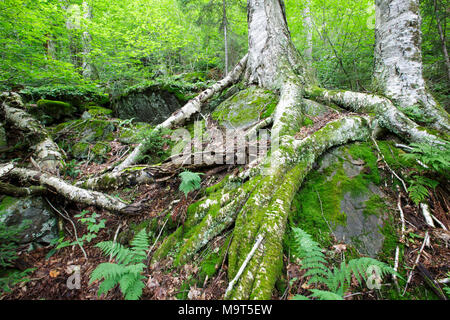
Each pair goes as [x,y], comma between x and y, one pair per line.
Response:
[96,112]
[88,138]
[49,111]
[134,133]
[152,104]
[42,223]
[345,194]
[245,107]
[77,96]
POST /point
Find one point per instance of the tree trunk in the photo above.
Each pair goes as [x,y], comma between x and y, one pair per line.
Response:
[309,31]
[442,38]
[89,69]
[272,57]
[47,154]
[398,59]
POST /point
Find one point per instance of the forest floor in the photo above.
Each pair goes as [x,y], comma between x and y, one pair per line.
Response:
[163,281]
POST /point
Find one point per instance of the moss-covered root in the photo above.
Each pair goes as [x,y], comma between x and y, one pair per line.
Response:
[387,114]
[266,211]
[47,154]
[70,192]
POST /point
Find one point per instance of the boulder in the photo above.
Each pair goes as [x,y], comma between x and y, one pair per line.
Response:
[345,194]
[49,111]
[245,108]
[42,223]
[152,104]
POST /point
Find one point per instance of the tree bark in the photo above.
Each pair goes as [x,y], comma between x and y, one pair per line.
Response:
[442,38]
[72,193]
[89,69]
[272,57]
[47,154]
[398,59]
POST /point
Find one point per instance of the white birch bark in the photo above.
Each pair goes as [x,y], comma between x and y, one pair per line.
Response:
[47,154]
[72,193]
[272,57]
[398,59]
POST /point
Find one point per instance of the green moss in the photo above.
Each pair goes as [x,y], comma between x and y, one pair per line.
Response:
[80,150]
[307,122]
[319,199]
[375,206]
[5,203]
[211,263]
[50,111]
[100,149]
[96,111]
[245,107]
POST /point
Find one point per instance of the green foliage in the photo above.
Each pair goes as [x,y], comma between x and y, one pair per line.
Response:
[337,280]
[435,159]
[93,227]
[70,169]
[8,248]
[189,181]
[8,242]
[434,156]
[128,269]
[157,143]
[418,191]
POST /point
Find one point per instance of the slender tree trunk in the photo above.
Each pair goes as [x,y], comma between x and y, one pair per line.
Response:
[398,59]
[307,19]
[89,69]
[442,38]
[225,33]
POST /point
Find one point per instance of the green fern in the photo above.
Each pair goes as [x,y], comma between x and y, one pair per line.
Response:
[128,269]
[337,280]
[436,157]
[189,181]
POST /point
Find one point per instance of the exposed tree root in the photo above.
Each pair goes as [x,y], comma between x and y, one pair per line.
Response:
[47,154]
[387,114]
[261,204]
[73,193]
[12,190]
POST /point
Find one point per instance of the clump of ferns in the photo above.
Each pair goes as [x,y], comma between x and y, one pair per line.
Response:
[338,279]
[128,269]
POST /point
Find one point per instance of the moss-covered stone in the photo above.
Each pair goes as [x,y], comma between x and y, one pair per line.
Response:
[245,107]
[49,111]
[35,213]
[343,195]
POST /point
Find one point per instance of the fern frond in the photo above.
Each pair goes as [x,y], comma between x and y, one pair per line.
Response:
[140,245]
[121,254]
[325,295]
[107,270]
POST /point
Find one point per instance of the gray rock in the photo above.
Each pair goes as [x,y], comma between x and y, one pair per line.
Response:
[152,105]
[361,230]
[43,223]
